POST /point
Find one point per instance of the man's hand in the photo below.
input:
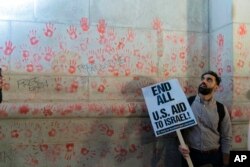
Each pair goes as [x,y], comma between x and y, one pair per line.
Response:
[184,151]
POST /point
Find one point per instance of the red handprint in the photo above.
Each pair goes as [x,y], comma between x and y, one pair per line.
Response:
[24,109]
[103,40]
[174,69]
[238,90]
[8,48]
[5,84]
[72,32]
[39,67]
[111,34]
[49,54]
[59,85]
[182,54]
[181,40]
[29,67]
[123,133]
[43,147]
[139,65]
[153,68]
[121,153]
[108,48]
[220,70]
[127,72]
[157,25]
[74,86]
[240,63]
[84,44]
[131,35]
[31,161]
[33,38]
[184,67]
[52,132]
[237,113]
[68,110]
[238,139]
[25,55]
[166,70]
[84,24]
[121,110]
[242,29]
[62,43]
[132,107]
[14,133]
[101,88]
[3,111]
[49,30]
[72,67]
[132,148]
[100,55]
[173,56]
[86,152]
[91,58]
[220,40]
[47,111]
[101,27]
[70,147]
[121,44]
[104,128]
[93,85]
[116,72]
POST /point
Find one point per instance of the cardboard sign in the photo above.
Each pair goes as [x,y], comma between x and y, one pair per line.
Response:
[168,107]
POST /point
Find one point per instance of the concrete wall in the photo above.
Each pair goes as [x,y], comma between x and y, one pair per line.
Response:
[229,54]
[73,73]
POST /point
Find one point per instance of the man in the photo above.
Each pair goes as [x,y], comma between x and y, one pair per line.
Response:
[208,142]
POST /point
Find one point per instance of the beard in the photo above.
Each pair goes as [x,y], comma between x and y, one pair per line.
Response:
[204,90]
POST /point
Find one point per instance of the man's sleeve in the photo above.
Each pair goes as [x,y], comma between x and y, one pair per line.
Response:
[226,133]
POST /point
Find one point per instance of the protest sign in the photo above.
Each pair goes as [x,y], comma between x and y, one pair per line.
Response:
[168,107]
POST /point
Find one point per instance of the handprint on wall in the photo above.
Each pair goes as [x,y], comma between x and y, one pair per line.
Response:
[33,37]
[9,48]
[84,24]
[157,25]
[49,30]
[101,27]
[106,130]
[120,153]
[242,29]
[72,32]
[3,111]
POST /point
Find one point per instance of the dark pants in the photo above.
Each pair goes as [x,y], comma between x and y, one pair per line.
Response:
[213,158]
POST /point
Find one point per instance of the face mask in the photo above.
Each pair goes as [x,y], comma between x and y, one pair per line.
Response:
[204,90]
